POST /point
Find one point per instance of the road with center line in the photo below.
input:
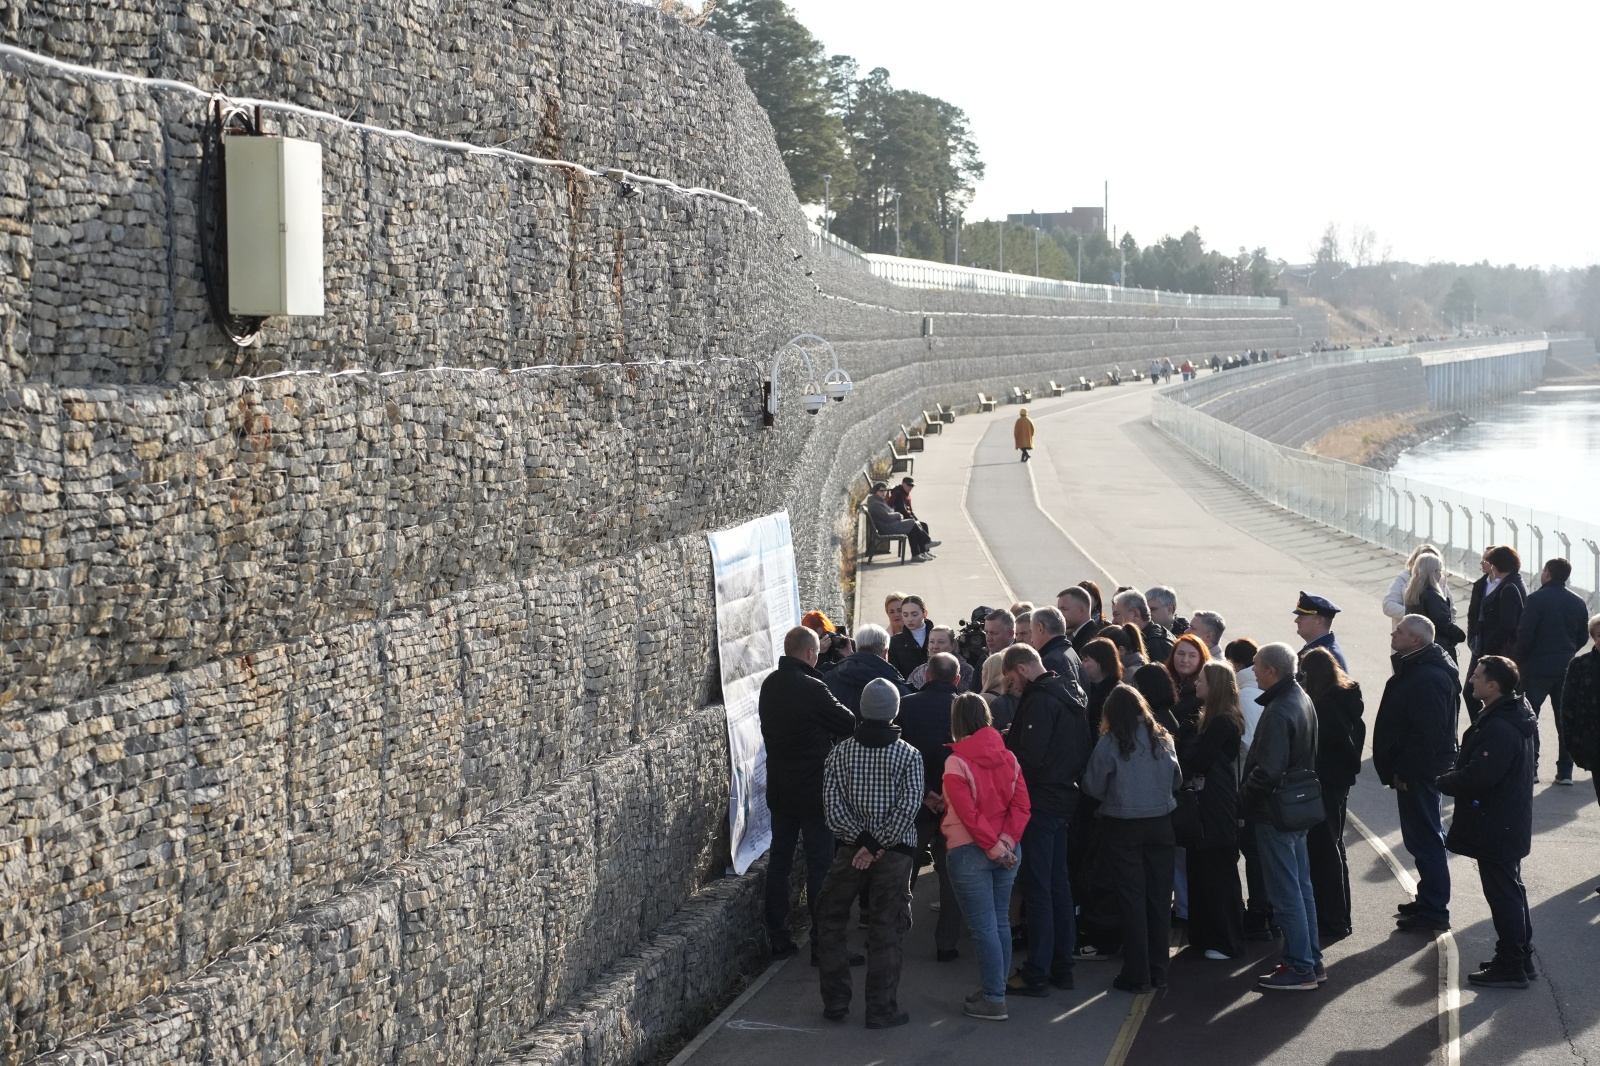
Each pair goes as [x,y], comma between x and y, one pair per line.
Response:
[1109,497]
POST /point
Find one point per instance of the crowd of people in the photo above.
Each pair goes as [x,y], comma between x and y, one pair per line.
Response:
[1084,775]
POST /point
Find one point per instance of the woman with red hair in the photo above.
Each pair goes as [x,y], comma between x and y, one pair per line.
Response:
[1189,653]
[833,645]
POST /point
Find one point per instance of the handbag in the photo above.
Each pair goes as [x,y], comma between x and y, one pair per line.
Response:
[1297,802]
[1186,824]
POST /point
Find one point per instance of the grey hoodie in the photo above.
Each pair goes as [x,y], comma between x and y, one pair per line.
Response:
[1140,786]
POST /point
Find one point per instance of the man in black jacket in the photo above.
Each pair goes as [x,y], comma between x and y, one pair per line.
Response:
[1413,742]
[1077,607]
[925,724]
[1493,787]
[1284,742]
[1548,636]
[800,723]
[1049,636]
[1049,735]
[1129,608]
[867,663]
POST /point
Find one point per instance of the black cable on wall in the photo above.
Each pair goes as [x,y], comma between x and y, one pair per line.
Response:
[221,117]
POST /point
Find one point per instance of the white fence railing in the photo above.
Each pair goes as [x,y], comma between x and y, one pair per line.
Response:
[925,274]
[1394,512]
[922,274]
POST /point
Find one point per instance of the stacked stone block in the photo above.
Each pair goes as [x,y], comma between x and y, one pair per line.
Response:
[358,694]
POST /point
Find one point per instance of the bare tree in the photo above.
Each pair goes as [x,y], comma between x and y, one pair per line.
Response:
[1363,245]
[1330,249]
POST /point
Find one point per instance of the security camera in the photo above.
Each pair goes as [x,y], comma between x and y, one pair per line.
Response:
[814,400]
[836,384]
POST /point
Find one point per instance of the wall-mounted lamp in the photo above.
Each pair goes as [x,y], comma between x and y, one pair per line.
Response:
[835,384]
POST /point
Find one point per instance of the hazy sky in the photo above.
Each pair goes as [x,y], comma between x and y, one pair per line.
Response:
[1457,131]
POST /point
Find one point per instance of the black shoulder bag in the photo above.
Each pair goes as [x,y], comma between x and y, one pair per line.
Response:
[1297,801]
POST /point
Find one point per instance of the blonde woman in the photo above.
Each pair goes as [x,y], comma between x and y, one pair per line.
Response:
[1428,594]
[996,693]
[891,607]
[1394,604]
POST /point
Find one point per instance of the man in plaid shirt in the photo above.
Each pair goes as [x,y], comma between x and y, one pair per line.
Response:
[872,789]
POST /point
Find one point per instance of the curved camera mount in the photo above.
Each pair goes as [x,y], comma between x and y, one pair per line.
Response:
[835,385]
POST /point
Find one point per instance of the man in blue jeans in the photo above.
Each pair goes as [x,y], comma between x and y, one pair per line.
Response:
[1049,735]
[1285,741]
[1413,742]
[800,723]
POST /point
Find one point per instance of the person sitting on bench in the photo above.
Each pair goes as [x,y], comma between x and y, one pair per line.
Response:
[887,523]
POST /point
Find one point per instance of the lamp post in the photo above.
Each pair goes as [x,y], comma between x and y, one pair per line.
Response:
[897,222]
[1080,258]
[1002,244]
[827,202]
[1036,251]
[958,240]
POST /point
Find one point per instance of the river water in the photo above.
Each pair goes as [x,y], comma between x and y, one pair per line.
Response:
[1540,449]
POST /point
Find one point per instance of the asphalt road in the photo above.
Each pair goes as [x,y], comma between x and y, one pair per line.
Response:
[1109,497]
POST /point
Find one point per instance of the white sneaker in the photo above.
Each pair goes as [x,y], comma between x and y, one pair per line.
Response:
[934,543]
[1216,956]
[1563,781]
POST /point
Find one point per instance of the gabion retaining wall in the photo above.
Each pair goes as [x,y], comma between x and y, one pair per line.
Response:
[358,700]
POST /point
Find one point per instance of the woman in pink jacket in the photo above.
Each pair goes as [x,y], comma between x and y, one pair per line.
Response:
[986,808]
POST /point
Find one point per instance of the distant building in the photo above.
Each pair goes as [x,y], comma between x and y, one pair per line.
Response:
[1082,220]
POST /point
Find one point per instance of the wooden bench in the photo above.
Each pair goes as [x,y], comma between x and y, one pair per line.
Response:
[1056,390]
[985,403]
[1084,384]
[947,414]
[932,423]
[1114,376]
[1020,395]
[914,441]
[899,462]
[875,543]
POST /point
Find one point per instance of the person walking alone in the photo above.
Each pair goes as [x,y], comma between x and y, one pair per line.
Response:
[1492,784]
[985,812]
[1133,772]
[1285,743]
[872,789]
[1341,737]
[1022,433]
[1549,634]
[1580,708]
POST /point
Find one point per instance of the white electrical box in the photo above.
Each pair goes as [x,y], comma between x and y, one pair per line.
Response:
[274,225]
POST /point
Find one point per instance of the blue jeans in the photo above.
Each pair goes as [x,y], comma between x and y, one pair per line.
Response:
[983,888]
[1047,893]
[786,832]
[1287,867]
[1422,832]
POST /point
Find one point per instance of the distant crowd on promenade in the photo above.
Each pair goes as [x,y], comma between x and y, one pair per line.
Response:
[1086,775]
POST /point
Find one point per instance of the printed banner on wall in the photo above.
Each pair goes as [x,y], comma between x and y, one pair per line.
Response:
[758,601]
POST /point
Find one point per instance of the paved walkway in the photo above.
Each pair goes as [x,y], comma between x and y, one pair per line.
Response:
[1110,497]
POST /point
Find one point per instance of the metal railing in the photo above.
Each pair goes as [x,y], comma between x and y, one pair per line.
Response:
[1395,512]
[923,274]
